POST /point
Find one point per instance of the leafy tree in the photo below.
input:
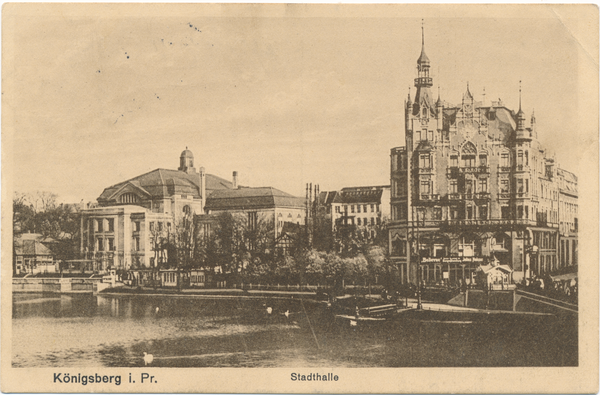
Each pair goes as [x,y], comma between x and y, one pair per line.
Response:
[39,213]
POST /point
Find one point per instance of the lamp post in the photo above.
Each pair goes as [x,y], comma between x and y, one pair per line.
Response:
[530,250]
[418,255]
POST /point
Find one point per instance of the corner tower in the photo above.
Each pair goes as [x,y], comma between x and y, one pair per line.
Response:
[424,103]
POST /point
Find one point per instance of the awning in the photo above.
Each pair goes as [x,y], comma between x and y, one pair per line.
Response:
[564,277]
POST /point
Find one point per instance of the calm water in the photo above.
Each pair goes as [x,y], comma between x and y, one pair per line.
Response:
[87,331]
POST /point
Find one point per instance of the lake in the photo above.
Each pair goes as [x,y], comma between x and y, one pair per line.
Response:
[114,331]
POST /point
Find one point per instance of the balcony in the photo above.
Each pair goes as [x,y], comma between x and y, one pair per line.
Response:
[424,81]
[452,172]
[503,169]
[454,196]
[489,222]
[504,195]
[429,197]
[474,170]
[425,170]
[482,196]
[521,168]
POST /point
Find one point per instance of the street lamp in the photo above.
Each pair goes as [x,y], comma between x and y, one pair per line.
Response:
[530,250]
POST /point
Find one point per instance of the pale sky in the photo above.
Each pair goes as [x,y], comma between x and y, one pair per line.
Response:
[97,94]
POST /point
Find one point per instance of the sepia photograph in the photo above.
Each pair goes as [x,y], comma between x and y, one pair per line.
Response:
[299,198]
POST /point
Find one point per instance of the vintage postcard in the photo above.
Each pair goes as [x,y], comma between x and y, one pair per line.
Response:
[299,198]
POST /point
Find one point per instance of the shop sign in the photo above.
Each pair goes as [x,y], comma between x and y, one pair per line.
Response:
[452,260]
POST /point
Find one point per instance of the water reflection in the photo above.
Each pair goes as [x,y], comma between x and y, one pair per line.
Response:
[86,331]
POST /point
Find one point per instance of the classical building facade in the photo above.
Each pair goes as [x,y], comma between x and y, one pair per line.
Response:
[122,232]
[473,185]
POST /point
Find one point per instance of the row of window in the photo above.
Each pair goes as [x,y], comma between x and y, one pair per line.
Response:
[104,225]
[357,208]
[469,159]
[466,247]
[366,221]
[362,221]
[426,186]
[473,211]
[468,187]
[105,244]
[157,226]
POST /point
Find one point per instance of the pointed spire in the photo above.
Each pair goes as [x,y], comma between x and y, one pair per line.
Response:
[467,96]
[519,95]
[423,59]
[520,114]
[439,99]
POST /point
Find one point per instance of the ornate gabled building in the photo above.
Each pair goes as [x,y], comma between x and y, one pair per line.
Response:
[472,185]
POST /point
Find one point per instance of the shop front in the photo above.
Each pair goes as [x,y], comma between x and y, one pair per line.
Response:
[449,271]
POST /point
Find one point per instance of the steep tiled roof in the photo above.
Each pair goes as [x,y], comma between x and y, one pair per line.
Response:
[30,244]
[362,196]
[326,198]
[249,198]
[161,183]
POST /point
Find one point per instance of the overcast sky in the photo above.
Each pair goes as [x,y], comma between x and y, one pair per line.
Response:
[285,95]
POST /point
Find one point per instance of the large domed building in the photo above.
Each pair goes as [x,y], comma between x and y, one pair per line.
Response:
[128,228]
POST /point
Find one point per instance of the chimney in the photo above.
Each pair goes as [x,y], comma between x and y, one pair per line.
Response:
[202,185]
[235,180]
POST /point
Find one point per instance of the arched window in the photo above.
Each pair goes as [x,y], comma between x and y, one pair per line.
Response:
[128,198]
[468,155]
[187,210]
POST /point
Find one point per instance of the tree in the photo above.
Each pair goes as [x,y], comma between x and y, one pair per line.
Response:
[39,213]
[180,248]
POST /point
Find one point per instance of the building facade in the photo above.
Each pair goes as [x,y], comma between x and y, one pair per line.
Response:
[366,207]
[132,216]
[472,185]
[255,205]
[568,215]
[33,254]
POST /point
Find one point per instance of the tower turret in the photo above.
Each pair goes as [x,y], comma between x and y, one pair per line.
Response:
[423,81]
[522,133]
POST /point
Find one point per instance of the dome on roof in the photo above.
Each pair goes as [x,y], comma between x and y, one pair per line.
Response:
[423,59]
[187,154]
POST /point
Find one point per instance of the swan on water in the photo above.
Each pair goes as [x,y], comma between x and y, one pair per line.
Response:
[148,358]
